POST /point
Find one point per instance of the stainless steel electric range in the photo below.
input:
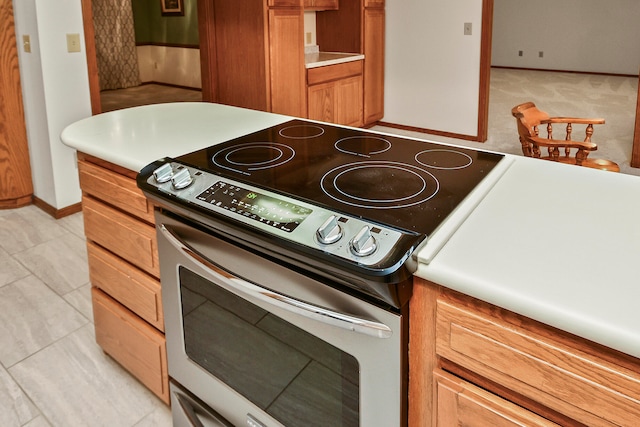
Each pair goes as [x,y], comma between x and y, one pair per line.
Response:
[286,263]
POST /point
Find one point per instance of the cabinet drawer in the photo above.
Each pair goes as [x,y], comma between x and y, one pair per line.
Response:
[115,189]
[584,385]
[333,72]
[134,289]
[459,403]
[138,347]
[127,237]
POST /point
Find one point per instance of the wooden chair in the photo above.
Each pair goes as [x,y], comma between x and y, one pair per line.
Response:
[529,118]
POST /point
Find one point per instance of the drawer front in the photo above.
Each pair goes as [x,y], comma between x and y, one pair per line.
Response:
[581,386]
[459,403]
[115,189]
[127,237]
[134,289]
[333,72]
[138,347]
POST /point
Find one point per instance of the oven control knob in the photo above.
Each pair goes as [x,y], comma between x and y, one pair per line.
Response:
[363,243]
[181,179]
[330,231]
[163,173]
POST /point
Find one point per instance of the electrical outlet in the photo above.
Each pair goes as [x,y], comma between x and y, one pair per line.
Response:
[520,53]
[26,43]
[73,42]
[468,29]
[309,38]
[540,54]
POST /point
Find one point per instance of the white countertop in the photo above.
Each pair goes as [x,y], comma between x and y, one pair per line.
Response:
[134,137]
[553,242]
[557,243]
[321,59]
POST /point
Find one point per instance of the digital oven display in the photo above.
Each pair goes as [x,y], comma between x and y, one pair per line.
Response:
[268,210]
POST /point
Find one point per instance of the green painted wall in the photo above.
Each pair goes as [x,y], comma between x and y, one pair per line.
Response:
[153,28]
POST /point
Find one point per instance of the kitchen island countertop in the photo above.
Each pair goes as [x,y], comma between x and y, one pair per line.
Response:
[553,242]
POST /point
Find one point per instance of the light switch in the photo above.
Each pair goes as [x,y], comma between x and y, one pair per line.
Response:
[468,29]
[26,43]
[73,42]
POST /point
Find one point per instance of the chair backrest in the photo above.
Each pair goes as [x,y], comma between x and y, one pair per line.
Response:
[529,118]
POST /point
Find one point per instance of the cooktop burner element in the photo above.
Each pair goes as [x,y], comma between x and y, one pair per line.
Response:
[365,146]
[397,185]
[346,203]
[304,131]
[244,158]
[444,159]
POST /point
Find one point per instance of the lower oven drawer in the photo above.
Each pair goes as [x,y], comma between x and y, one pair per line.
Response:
[136,290]
[138,347]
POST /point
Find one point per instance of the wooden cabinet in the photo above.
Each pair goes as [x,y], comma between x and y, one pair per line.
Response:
[359,27]
[511,360]
[124,271]
[259,54]
[335,93]
[321,4]
[16,188]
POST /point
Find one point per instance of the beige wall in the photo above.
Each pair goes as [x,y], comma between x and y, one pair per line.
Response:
[170,65]
[575,35]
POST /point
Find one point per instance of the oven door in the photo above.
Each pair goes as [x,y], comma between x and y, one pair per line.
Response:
[265,345]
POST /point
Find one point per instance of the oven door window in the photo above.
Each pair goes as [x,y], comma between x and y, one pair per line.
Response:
[295,377]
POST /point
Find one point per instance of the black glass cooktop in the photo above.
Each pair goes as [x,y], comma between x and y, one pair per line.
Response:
[403,183]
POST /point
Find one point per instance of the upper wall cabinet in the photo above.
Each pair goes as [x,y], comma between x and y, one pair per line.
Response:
[321,4]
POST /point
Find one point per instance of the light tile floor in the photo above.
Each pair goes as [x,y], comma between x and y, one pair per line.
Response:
[52,372]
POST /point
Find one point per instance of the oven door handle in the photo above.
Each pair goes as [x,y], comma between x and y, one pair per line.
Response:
[324,315]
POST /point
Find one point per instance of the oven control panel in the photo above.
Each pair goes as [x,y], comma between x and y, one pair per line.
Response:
[341,235]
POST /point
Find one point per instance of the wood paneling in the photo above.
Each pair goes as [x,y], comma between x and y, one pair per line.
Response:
[374,30]
[286,62]
[16,187]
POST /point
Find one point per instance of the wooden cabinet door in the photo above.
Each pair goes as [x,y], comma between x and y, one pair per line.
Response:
[348,98]
[459,403]
[286,62]
[138,347]
[321,100]
[373,65]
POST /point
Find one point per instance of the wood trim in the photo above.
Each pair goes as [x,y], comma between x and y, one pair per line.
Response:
[16,203]
[422,352]
[635,152]
[54,212]
[178,45]
[92,61]
[208,59]
[595,73]
[429,131]
[485,70]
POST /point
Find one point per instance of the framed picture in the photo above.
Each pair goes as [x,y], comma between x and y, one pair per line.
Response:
[172,7]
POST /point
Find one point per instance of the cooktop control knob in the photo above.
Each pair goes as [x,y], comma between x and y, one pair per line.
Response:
[363,243]
[330,231]
[163,173]
[181,179]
